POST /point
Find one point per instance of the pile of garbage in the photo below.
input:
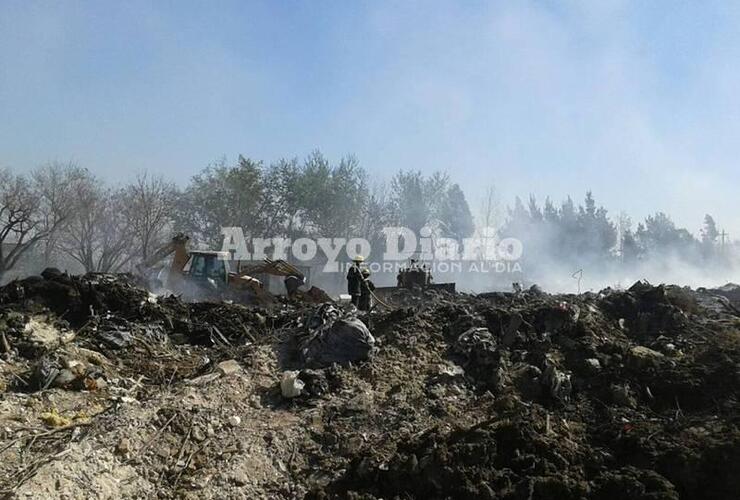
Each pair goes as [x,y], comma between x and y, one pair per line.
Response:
[523,395]
[621,393]
[331,337]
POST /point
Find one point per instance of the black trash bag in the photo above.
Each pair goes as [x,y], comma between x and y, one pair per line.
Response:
[334,337]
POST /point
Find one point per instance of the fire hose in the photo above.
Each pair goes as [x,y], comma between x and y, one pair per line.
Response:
[372,294]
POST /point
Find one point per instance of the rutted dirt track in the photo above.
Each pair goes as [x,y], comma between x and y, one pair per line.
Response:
[109,392]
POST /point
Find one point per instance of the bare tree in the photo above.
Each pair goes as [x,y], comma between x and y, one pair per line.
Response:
[33,209]
[99,236]
[377,213]
[489,211]
[487,220]
[148,205]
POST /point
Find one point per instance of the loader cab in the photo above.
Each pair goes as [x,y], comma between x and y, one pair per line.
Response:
[208,267]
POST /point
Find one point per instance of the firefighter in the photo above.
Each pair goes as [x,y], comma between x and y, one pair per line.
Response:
[401,278]
[354,280]
[366,291]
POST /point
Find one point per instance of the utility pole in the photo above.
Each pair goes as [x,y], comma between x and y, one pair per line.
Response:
[722,236]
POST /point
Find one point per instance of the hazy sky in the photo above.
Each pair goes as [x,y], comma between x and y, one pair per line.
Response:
[638,101]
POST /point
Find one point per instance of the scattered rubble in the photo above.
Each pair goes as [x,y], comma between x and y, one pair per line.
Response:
[109,392]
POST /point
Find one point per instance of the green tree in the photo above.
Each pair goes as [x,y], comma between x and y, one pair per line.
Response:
[412,209]
[333,197]
[455,213]
[709,235]
[223,195]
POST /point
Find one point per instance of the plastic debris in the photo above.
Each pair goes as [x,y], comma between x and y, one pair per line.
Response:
[290,385]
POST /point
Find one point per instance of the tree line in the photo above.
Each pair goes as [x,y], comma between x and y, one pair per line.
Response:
[62,213]
[584,236]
